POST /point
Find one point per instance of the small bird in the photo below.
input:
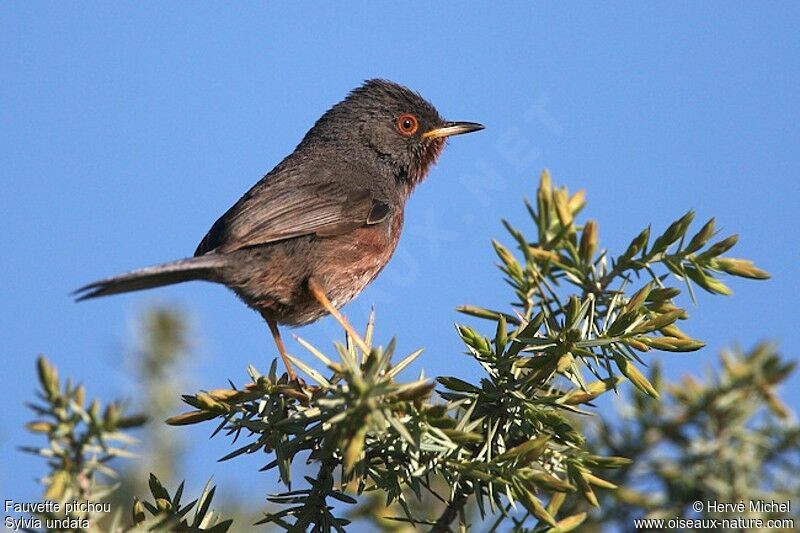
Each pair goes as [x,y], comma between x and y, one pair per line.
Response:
[313,232]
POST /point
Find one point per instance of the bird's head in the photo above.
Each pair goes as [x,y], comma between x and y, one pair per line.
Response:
[393,122]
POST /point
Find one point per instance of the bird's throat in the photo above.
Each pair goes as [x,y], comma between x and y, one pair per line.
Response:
[429,153]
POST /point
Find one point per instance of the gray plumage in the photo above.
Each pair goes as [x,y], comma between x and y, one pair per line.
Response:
[331,211]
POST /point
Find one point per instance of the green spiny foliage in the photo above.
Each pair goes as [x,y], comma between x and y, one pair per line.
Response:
[508,443]
[725,438]
[81,440]
[358,419]
[167,513]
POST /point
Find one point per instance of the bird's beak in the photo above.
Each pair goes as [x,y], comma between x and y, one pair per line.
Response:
[452,128]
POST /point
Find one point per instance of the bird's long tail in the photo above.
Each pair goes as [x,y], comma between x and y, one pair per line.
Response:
[205,267]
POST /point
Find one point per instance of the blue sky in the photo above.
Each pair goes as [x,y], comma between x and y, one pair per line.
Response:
[126,129]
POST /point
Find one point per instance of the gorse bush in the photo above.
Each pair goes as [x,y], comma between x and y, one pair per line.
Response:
[512,445]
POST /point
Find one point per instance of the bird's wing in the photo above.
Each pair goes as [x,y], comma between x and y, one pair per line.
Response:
[291,209]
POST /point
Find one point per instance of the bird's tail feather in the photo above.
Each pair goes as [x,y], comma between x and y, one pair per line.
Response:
[194,268]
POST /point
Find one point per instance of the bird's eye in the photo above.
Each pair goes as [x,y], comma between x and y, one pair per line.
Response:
[407,124]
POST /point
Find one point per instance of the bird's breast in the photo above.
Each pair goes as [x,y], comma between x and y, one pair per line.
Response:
[354,259]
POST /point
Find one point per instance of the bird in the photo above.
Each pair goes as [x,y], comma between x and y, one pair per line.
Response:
[311,234]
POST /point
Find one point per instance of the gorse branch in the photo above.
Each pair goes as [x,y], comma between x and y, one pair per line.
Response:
[601,326]
[167,513]
[81,440]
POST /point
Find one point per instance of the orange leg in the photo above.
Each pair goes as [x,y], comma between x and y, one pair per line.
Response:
[276,335]
[322,298]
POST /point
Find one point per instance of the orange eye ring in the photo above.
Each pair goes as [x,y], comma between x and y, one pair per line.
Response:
[407,124]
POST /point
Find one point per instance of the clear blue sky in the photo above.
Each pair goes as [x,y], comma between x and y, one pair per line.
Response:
[126,129]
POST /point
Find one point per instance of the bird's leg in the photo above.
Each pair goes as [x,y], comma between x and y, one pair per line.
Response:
[320,296]
[276,335]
